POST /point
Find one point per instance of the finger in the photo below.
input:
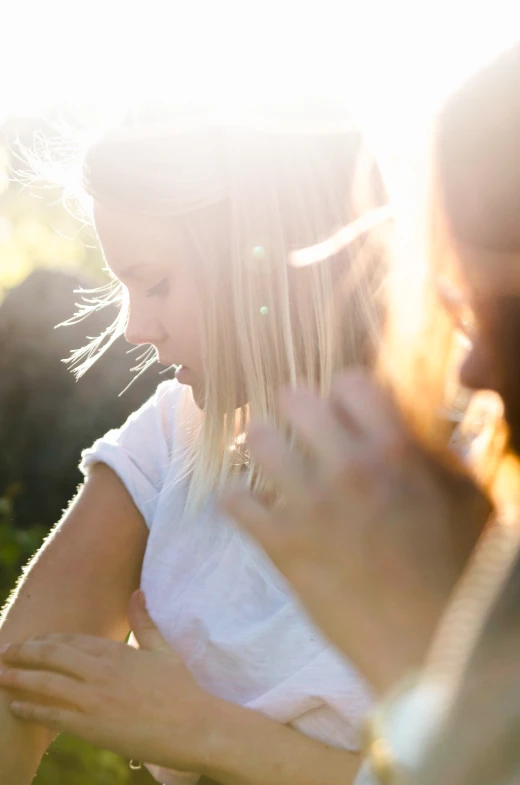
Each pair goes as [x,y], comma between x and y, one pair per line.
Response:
[88,644]
[49,655]
[357,398]
[316,424]
[48,684]
[263,524]
[51,716]
[89,728]
[143,627]
[248,511]
[280,465]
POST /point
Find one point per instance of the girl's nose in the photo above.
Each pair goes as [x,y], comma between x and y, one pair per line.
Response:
[142,329]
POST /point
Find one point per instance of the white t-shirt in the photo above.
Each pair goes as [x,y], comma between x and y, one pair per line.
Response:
[217,598]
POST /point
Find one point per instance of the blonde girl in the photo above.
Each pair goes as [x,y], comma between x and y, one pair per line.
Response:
[197,220]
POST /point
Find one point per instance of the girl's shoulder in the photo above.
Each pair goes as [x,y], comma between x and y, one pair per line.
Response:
[142,450]
[164,400]
[165,416]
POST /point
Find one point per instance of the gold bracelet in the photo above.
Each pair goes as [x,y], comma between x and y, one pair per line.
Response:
[379,753]
[377,748]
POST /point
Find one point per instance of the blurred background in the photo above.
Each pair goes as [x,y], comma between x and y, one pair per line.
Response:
[79,66]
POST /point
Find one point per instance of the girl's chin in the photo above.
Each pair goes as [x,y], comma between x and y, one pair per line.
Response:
[183,375]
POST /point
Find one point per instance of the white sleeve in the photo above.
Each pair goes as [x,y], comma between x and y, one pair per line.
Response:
[140,451]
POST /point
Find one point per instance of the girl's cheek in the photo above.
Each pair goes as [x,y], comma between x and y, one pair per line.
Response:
[477,371]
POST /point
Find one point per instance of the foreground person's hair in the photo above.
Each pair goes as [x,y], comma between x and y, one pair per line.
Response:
[473,239]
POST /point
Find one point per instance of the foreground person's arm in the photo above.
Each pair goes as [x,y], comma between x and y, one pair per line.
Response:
[145,704]
[80,581]
[248,748]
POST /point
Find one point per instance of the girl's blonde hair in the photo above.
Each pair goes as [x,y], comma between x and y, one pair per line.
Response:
[247,196]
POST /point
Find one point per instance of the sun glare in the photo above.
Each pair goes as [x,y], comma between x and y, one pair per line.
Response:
[380,58]
[385,64]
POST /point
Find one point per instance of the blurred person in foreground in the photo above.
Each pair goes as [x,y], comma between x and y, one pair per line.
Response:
[373,534]
[197,219]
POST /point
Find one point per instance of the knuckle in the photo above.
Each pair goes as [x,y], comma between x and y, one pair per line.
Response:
[106,670]
[350,381]
[53,715]
[19,649]
[111,704]
[360,474]
[47,651]
[96,702]
[97,648]
[46,682]
[26,711]
[12,677]
[67,638]
[13,651]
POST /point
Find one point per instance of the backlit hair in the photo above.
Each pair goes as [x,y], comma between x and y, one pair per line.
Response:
[248,196]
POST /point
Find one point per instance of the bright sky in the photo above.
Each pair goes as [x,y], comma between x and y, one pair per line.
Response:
[393,54]
[387,61]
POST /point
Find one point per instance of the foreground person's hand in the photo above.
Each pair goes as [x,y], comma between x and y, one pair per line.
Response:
[373,533]
[142,703]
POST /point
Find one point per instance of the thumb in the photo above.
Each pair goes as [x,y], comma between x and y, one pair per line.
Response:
[144,629]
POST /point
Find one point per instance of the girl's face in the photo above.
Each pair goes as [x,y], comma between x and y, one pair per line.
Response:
[145,253]
[493,362]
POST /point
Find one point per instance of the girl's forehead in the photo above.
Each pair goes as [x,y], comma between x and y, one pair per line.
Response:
[130,238]
[113,219]
[490,272]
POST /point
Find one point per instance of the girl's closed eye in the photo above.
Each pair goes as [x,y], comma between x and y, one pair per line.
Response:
[160,289]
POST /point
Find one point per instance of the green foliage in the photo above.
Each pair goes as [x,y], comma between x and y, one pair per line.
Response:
[72,762]
[16,545]
[35,232]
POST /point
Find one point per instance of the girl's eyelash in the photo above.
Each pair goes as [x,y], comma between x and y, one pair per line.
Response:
[160,289]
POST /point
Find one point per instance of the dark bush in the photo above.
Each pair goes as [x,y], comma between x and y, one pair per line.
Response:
[46,419]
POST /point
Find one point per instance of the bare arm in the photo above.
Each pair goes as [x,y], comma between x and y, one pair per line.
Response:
[80,582]
[248,748]
[155,710]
